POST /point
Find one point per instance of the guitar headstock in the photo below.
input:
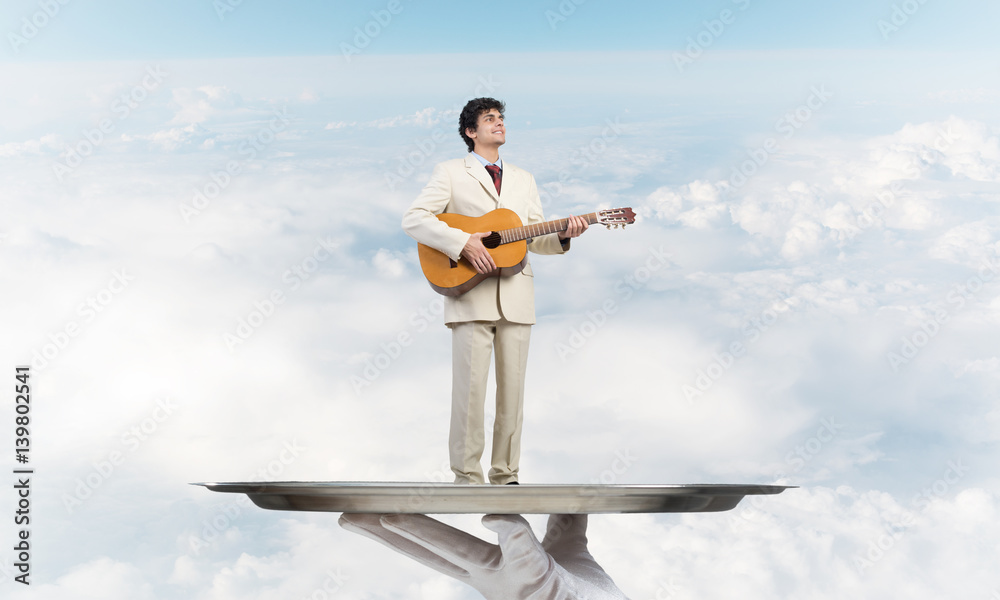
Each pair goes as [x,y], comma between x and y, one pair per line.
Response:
[614,218]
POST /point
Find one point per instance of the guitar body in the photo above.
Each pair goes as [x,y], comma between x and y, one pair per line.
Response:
[507,244]
[451,278]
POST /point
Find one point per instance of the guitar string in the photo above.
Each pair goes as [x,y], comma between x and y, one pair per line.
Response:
[514,234]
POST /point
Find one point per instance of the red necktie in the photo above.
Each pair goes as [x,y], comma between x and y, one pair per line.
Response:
[495,174]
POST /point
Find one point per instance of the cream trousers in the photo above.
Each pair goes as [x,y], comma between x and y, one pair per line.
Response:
[472,345]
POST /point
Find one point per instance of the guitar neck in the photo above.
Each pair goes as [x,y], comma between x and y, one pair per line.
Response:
[516,234]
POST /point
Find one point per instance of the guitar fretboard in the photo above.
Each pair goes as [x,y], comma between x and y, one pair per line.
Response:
[516,234]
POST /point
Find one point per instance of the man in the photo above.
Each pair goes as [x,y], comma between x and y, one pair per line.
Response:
[498,313]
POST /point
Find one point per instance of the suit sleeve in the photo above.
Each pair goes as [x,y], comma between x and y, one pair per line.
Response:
[420,222]
[545,244]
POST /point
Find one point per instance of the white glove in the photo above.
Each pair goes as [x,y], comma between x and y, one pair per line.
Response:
[520,568]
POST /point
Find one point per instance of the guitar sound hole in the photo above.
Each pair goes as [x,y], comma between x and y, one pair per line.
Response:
[492,240]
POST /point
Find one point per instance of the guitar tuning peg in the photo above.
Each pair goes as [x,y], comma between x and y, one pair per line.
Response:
[608,225]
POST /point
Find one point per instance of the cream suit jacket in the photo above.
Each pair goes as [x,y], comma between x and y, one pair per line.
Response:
[463,186]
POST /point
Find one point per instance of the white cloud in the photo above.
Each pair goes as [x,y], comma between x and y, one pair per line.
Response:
[424,118]
[100,578]
[888,181]
[804,238]
[966,148]
[197,105]
[44,145]
[175,137]
[781,266]
[966,95]
[309,95]
[968,244]
[697,204]
[388,264]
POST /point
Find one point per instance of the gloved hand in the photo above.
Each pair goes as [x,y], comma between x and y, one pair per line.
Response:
[520,568]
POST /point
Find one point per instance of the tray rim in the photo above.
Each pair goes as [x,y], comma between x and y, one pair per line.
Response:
[361,487]
[450,498]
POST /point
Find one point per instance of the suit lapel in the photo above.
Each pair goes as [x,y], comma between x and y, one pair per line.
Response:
[477,171]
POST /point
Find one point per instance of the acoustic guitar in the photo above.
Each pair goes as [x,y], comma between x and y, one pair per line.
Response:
[507,243]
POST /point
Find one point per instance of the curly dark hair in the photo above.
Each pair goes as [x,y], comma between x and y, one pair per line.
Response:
[470,116]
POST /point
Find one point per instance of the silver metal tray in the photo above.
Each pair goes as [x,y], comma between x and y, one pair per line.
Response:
[448,498]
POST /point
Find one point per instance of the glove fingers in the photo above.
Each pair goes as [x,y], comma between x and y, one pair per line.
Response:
[371,526]
[459,548]
[566,541]
[519,546]
[566,535]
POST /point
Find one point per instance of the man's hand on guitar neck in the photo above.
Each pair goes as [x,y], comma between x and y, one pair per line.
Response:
[477,254]
[575,226]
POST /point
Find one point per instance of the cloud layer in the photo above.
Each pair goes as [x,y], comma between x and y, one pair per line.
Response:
[218,289]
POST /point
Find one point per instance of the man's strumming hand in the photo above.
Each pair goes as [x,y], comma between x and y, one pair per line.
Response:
[477,254]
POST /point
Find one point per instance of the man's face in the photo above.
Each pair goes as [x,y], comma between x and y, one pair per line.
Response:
[489,130]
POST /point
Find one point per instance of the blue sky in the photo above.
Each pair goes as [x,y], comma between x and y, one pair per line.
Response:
[826,196]
[116,30]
